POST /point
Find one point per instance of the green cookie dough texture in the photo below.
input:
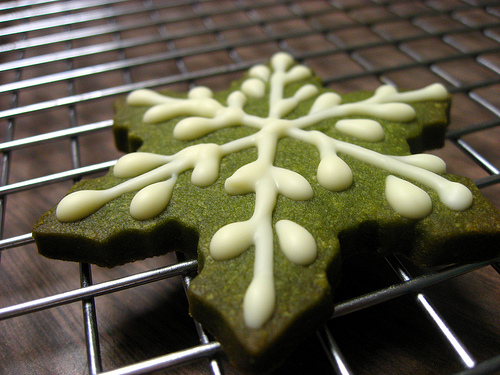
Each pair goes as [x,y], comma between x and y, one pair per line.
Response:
[271,191]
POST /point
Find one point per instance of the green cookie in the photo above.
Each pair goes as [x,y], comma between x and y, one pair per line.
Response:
[272,183]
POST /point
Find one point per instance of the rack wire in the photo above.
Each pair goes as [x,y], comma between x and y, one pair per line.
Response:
[62,64]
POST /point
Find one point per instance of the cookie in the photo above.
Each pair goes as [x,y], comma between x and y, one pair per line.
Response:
[272,183]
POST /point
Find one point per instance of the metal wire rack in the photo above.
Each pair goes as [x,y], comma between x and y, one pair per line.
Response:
[62,64]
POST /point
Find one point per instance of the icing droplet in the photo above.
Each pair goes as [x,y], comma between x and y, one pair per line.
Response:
[385,91]
[435,91]
[291,184]
[243,179]
[231,240]
[206,169]
[281,61]
[389,111]
[325,101]
[280,108]
[298,72]
[205,107]
[152,200]
[362,129]
[305,92]
[407,199]
[334,174]
[236,99]
[298,245]
[80,204]
[254,87]
[429,162]
[200,92]
[137,163]
[259,301]
[193,127]
[260,71]
[456,196]
[147,98]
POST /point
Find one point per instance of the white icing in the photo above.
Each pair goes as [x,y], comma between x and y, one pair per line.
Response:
[260,71]
[205,114]
[259,301]
[195,127]
[152,200]
[243,180]
[254,87]
[200,92]
[147,98]
[236,100]
[334,174]
[232,240]
[298,245]
[291,184]
[195,107]
[455,196]
[400,112]
[297,73]
[434,91]
[80,204]
[281,61]
[406,199]
[325,101]
[362,129]
[137,163]
[206,167]
[430,162]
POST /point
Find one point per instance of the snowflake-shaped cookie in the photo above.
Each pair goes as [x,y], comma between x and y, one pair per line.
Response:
[305,169]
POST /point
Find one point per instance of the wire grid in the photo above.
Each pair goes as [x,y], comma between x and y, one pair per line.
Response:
[64,62]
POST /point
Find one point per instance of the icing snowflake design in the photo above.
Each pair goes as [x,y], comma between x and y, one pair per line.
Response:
[154,176]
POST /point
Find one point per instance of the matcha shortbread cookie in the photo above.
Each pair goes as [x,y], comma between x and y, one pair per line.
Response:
[272,183]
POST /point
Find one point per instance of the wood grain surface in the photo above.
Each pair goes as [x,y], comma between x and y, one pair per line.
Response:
[341,41]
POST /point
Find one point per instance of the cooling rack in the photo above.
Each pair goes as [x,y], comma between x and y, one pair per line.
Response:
[63,63]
